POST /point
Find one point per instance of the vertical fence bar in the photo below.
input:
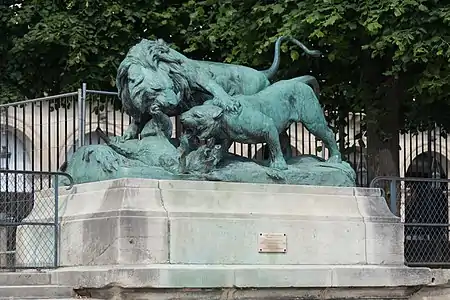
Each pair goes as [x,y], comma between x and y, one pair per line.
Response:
[106,107]
[24,150]
[446,161]
[98,118]
[15,148]
[404,155]
[303,139]
[57,106]
[33,149]
[114,119]
[7,148]
[89,118]
[393,197]
[441,156]
[66,139]
[80,118]
[49,128]
[83,112]
[56,225]
[41,144]
[296,138]
[122,112]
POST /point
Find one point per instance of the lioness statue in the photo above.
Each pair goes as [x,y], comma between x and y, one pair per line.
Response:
[154,76]
[262,117]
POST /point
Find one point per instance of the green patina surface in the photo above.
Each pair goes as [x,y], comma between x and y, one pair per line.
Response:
[219,104]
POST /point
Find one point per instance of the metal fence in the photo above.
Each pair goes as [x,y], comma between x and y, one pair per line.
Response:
[30,216]
[423,206]
[41,134]
[38,134]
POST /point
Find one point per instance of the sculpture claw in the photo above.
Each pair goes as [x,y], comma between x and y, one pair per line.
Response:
[275,175]
[228,104]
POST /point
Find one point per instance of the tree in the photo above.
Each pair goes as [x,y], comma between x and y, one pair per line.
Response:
[389,58]
[52,46]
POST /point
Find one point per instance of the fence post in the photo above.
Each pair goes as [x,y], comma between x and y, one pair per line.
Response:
[56,229]
[393,198]
[81,114]
[3,241]
[324,149]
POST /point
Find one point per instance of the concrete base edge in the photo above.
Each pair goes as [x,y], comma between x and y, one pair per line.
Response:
[114,292]
[172,276]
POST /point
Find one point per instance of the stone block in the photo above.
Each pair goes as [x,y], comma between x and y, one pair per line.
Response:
[241,276]
[384,243]
[137,233]
[235,241]
[35,291]
[113,222]
[25,278]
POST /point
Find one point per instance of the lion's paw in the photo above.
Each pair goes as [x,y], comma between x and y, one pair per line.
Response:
[276,175]
[228,104]
[279,164]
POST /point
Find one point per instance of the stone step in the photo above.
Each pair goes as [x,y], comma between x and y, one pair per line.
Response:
[36,292]
[24,278]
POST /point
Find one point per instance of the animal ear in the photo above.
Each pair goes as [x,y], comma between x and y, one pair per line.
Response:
[218,113]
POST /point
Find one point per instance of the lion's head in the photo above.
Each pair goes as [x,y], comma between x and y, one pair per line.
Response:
[203,121]
[151,73]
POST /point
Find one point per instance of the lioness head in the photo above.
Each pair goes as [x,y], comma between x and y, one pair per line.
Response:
[203,121]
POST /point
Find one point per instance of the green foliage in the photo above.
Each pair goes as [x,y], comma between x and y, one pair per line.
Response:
[367,44]
[52,46]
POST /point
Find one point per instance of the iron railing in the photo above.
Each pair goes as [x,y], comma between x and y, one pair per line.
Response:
[31,215]
[103,110]
[41,134]
[423,206]
[38,134]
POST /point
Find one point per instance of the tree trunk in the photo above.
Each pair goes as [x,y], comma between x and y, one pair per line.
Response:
[383,133]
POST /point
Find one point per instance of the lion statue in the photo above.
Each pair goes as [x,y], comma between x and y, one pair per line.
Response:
[261,118]
[154,76]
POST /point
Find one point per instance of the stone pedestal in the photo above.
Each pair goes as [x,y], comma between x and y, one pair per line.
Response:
[135,233]
[4,254]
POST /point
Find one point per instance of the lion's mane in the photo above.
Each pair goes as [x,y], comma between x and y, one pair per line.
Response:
[159,57]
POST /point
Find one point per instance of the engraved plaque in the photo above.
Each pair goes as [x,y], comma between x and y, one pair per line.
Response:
[272,243]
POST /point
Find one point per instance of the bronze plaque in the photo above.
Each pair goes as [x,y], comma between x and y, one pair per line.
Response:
[272,243]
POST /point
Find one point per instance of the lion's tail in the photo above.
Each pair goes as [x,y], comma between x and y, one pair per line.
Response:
[270,72]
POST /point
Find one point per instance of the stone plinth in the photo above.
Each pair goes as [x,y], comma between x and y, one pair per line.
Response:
[137,233]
